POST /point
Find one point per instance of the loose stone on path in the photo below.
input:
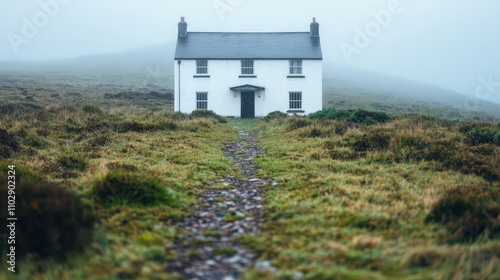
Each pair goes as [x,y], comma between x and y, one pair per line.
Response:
[209,251]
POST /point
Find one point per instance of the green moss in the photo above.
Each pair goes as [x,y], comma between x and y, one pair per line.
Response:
[226,251]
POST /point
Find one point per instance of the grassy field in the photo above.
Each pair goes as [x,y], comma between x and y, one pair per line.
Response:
[404,198]
[361,195]
[138,169]
[108,92]
[346,97]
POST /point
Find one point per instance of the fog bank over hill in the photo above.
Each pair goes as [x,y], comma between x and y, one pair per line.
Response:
[155,64]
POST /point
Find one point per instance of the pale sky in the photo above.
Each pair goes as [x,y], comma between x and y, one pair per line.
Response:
[446,43]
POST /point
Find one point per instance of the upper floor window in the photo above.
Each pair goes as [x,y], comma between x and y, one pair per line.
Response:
[247,67]
[201,66]
[296,67]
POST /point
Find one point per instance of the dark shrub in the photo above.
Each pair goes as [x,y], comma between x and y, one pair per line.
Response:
[92,109]
[405,153]
[468,160]
[420,117]
[71,160]
[52,220]
[294,123]
[176,115]
[135,95]
[22,174]
[467,214]
[314,131]
[372,140]
[440,151]
[497,138]
[341,128]
[74,94]
[147,126]
[122,187]
[122,166]
[208,114]
[275,115]
[97,141]
[18,107]
[339,153]
[330,114]
[97,122]
[367,117]
[359,116]
[8,144]
[133,126]
[480,133]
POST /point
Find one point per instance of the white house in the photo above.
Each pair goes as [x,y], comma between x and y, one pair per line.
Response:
[248,74]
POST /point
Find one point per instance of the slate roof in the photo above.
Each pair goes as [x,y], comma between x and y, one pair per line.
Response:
[233,45]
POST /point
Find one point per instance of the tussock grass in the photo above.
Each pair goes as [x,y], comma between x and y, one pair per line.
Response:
[139,170]
[123,187]
[409,198]
[55,221]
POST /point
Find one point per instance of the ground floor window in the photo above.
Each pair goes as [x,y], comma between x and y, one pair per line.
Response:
[201,100]
[295,100]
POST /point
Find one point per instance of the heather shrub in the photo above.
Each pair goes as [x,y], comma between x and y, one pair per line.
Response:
[377,139]
[468,214]
[10,108]
[497,138]
[296,122]
[359,116]
[339,153]
[476,134]
[8,144]
[70,160]
[92,109]
[22,174]
[275,115]
[52,220]
[146,126]
[406,146]
[208,114]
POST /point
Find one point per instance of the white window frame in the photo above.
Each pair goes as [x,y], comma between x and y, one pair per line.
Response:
[202,100]
[247,67]
[295,99]
[201,66]
[296,67]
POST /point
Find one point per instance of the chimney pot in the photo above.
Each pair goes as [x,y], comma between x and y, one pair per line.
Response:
[182,27]
[314,28]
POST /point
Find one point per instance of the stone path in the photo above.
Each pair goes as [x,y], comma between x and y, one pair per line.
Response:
[210,251]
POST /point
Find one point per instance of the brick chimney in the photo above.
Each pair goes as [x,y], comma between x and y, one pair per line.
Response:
[183,27]
[314,28]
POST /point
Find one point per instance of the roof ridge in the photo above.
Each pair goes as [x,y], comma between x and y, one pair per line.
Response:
[251,32]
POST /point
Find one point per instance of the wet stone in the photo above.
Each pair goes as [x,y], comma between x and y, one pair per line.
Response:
[219,254]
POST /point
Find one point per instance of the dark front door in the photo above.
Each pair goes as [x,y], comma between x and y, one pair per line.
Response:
[248,104]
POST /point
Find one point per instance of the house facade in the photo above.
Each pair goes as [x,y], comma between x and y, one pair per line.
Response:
[248,74]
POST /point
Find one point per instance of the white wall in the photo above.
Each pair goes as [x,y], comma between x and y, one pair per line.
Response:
[271,74]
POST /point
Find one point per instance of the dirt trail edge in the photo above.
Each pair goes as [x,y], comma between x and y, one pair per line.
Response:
[210,250]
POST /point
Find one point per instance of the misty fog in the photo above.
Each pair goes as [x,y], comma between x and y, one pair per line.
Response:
[450,44]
